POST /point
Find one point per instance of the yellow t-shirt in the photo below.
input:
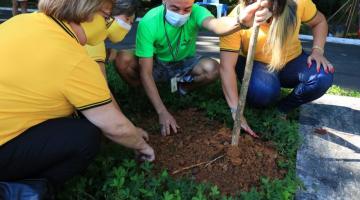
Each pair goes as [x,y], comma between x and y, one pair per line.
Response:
[97,52]
[45,74]
[306,11]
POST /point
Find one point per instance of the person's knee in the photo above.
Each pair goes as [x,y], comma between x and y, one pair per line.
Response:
[124,60]
[210,68]
[263,92]
[320,82]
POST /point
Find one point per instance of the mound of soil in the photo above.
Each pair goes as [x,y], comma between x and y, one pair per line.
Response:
[200,141]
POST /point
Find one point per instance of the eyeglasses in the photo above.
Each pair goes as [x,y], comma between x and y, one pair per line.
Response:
[109,20]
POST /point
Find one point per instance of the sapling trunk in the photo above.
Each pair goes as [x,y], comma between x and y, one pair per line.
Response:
[244,86]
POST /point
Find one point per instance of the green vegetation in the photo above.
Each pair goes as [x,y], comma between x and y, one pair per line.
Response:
[336,90]
[115,175]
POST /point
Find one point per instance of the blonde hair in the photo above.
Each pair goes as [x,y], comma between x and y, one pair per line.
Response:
[71,10]
[283,26]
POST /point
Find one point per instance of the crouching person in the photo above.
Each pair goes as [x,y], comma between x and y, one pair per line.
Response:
[39,143]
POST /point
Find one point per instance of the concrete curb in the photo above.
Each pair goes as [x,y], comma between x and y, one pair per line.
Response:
[334,40]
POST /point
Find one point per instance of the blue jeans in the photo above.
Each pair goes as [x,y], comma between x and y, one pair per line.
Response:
[264,87]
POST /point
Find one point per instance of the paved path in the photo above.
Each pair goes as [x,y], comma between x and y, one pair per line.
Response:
[329,164]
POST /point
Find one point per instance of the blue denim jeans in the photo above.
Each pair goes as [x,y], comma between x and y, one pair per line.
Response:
[264,87]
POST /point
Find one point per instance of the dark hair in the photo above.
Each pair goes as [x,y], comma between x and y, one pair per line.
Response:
[278,7]
[125,7]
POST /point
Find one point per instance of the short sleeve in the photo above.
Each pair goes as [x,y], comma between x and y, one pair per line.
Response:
[308,9]
[232,41]
[144,41]
[86,87]
[200,14]
[97,52]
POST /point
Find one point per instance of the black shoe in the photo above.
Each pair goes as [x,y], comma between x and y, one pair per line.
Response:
[29,189]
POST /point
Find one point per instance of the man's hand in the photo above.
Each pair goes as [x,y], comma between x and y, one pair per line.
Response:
[257,13]
[167,122]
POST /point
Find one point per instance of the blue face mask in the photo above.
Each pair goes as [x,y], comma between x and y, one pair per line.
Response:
[176,19]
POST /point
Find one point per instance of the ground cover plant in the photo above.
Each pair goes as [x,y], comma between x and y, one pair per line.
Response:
[116,175]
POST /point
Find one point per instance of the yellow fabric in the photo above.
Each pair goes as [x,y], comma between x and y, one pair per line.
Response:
[95,30]
[45,74]
[97,52]
[306,10]
[118,30]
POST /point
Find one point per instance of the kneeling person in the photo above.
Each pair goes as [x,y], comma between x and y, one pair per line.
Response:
[166,50]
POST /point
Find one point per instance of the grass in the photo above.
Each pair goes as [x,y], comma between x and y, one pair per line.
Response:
[336,90]
[115,175]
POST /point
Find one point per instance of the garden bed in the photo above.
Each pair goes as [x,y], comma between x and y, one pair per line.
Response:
[200,141]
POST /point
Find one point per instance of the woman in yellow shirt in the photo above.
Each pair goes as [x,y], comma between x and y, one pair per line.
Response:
[46,74]
[119,26]
[279,58]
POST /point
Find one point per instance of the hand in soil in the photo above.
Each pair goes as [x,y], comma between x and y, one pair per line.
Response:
[245,126]
[145,154]
[143,134]
[167,123]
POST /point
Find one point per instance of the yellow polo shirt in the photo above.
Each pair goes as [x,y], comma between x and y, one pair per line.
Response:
[44,74]
[97,52]
[306,11]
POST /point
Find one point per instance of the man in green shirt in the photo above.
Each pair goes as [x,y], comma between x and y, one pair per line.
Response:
[166,50]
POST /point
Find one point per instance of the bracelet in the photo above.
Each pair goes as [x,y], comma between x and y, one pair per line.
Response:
[319,48]
[233,110]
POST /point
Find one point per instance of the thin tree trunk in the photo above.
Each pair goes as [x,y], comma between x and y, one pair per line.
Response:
[244,86]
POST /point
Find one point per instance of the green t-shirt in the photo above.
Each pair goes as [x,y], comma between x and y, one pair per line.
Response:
[151,39]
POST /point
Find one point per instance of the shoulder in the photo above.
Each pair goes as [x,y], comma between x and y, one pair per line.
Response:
[303,4]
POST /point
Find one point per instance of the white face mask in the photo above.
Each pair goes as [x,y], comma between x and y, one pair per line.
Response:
[122,23]
[176,19]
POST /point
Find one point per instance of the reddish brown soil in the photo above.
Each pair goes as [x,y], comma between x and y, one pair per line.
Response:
[201,140]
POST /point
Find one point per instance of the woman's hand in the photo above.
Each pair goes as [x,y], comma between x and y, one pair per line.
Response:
[318,56]
[245,126]
[257,13]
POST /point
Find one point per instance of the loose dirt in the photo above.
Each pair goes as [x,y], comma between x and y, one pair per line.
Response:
[202,140]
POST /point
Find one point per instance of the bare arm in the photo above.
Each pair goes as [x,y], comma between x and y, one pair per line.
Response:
[228,77]
[165,119]
[119,129]
[146,67]
[221,26]
[246,17]
[319,28]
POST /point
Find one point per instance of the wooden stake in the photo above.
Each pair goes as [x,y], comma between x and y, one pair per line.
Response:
[245,85]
